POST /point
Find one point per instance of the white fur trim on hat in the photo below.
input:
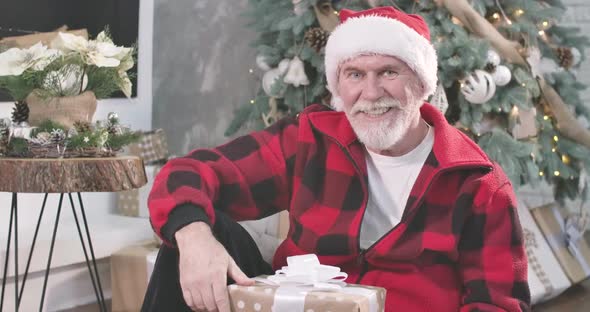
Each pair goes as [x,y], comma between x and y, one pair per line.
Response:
[385,36]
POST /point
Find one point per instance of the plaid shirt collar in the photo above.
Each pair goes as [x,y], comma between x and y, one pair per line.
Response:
[451,147]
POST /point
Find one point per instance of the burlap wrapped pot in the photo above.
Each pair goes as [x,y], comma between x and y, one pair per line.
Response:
[64,110]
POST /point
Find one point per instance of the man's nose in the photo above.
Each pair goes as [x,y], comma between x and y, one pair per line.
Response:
[373,89]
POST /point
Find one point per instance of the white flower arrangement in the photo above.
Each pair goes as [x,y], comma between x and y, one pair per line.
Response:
[69,66]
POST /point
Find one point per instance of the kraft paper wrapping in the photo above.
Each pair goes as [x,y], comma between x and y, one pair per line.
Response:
[266,298]
[130,268]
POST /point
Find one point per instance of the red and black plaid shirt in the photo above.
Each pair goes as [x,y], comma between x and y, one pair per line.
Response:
[458,246]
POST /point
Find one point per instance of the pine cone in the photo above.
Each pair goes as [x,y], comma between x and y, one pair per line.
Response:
[490,68]
[20,112]
[565,57]
[316,38]
[82,126]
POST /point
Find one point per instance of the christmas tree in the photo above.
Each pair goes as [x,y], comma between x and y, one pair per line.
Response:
[506,77]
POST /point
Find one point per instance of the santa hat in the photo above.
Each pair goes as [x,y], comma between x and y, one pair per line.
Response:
[384,31]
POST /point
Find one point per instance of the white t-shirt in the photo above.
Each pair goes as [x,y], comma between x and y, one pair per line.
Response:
[390,181]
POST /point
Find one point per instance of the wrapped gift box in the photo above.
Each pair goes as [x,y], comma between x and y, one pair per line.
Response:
[131,268]
[545,276]
[152,147]
[306,285]
[133,203]
[267,298]
[573,254]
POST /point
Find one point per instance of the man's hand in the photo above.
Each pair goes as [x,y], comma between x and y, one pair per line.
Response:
[204,266]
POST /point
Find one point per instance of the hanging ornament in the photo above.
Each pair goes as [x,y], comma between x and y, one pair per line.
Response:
[439,98]
[316,38]
[284,65]
[296,73]
[272,75]
[326,15]
[300,7]
[274,113]
[502,75]
[479,87]
[565,57]
[493,58]
[261,62]
[524,123]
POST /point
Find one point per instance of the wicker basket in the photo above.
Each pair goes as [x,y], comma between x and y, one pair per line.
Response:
[54,151]
[64,110]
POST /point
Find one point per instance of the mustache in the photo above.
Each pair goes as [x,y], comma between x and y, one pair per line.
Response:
[364,105]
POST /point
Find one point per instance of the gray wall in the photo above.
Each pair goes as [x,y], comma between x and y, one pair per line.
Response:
[201,60]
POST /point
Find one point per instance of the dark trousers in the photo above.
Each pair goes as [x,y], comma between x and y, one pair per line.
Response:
[164,292]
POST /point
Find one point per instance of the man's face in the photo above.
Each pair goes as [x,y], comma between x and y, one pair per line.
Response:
[381,98]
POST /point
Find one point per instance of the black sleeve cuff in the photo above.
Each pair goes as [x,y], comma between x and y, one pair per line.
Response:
[181,216]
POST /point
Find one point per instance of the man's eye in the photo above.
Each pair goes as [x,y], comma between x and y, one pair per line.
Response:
[390,74]
[354,75]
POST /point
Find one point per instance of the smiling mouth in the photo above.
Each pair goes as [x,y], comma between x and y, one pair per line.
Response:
[375,112]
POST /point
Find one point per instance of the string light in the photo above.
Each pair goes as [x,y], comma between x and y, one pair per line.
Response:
[250,70]
[555,138]
[496,15]
[524,85]
[252,101]
[545,24]
[546,117]
[556,173]
[541,33]
[519,12]
[508,21]
[553,150]
[565,159]
[541,173]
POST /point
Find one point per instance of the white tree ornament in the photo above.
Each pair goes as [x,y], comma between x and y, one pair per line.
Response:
[296,73]
[502,75]
[493,57]
[272,75]
[479,87]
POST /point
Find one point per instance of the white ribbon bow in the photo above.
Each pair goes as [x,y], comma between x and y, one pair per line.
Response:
[306,270]
[304,274]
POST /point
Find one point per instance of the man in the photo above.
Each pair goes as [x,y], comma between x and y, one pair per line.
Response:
[381,187]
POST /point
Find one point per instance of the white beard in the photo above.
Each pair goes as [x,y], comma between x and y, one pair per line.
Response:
[381,134]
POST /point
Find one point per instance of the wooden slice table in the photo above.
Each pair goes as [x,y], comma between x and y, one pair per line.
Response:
[63,176]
